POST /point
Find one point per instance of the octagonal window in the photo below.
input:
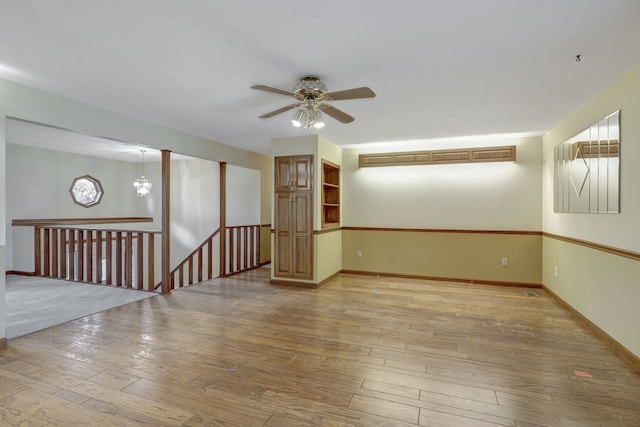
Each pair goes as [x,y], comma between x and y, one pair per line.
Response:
[86,191]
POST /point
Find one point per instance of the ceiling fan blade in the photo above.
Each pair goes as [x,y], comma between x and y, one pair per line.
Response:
[280,110]
[272,89]
[356,93]
[339,115]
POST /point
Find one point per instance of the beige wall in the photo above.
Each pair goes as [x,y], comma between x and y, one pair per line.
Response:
[503,196]
[464,256]
[328,254]
[603,287]
[485,196]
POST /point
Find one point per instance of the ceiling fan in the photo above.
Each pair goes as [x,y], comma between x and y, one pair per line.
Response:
[312,97]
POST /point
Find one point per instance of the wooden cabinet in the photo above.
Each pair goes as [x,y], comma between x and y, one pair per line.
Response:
[293,211]
[294,173]
[330,195]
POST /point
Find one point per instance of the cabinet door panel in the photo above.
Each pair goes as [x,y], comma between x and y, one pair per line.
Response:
[303,236]
[302,258]
[303,205]
[283,216]
[303,172]
[283,256]
[283,173]
[283,245]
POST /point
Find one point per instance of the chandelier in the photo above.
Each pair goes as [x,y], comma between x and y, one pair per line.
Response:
[142,184]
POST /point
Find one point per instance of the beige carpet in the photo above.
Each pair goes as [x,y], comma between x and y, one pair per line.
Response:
[35,303]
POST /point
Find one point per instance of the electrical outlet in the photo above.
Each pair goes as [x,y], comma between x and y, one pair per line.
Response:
[505,262]
[555,271]
[358,253]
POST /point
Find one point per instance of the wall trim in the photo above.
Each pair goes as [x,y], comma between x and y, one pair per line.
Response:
[295,283]
[625,353]
[20,273]
[445,279]
[596,246]
[327,230]
[443,230]
[308,285]
[78,221]
[3,343]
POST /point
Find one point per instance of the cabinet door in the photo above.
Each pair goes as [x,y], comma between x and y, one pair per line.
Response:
[294,235]
[283,236]
[293,173]
[303,236]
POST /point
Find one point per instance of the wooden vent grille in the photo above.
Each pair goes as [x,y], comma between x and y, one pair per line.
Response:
[435,157]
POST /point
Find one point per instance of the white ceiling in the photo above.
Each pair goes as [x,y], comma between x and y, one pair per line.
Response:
[439,68]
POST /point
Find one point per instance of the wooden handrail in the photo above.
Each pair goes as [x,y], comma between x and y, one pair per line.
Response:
[78,221]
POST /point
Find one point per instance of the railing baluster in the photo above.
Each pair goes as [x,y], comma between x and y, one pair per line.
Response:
[80,250]
[238,249]
[98,256]
[54,252]
[109,250]
[151,254]
[118,258]
[210,258]
[36,250]
[251,237]
[231,251]
[63,253]
[139,260]
[72,254]
[200,265]
[128,259]
[46,251]
[89,235]
[255,244]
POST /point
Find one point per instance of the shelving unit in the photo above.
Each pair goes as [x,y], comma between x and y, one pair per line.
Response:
[330,195]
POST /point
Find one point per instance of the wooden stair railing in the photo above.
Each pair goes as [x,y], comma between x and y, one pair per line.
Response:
[118,257]
[243,253]
[196,260]
[243,248]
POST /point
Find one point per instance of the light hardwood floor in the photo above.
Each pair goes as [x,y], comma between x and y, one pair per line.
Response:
[361,351]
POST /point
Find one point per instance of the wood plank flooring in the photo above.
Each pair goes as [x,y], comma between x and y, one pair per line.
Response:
[361,351]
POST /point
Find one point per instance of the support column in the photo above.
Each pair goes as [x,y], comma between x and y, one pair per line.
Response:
[223,219]
[166,220]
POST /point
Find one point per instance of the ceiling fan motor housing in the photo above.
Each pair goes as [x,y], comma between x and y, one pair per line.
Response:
[310,87]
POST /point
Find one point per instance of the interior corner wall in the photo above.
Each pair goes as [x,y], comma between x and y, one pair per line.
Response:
[243,205]
[195,207]
[266,186]
[603,287]
[399,218]
[3,216]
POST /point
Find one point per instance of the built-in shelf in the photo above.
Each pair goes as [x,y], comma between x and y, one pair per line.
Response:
[330,195]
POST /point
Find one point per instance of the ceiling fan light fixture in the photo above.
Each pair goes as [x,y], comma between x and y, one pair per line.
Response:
[299,118]
[312,97]
[319,123]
